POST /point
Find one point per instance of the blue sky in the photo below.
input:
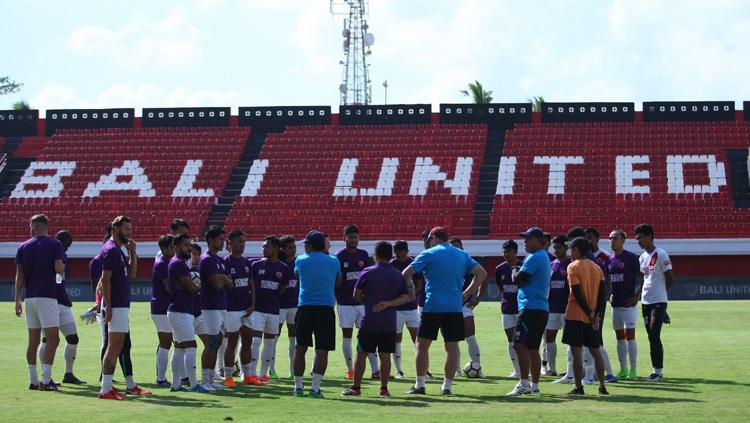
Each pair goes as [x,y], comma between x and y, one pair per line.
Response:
[286,52]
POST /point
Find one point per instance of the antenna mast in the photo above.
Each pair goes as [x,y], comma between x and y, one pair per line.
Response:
[355,88]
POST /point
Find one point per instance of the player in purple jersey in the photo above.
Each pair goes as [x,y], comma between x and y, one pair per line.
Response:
[67,322]
[177,227]
[160,299]
[406,314]
[270,277]
[588,359]
[240,302]
[468,313]
[505,277]
[95,275]
[353,260]
[558,301]
[115,286]
[601,257]
[546,244]
[626,278]
[287,304]
[185,287]
[382,289]
[68,326]
[215,282]
[39,261]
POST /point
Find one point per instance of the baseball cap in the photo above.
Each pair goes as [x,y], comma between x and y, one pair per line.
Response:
[532,232]
[316,239]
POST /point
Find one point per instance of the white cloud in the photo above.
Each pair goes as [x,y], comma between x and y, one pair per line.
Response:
[59,96]
[171,42]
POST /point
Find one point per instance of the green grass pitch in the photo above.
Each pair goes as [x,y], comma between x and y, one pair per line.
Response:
[706,366]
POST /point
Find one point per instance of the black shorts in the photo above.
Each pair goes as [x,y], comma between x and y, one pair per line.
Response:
[579,334]
[319,321]
[372,342]
[530,328]
[450,325]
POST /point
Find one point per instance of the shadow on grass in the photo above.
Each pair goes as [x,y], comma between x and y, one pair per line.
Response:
[159,397]
[613,397]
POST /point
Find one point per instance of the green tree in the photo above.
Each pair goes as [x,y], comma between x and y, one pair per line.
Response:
[21,105]
[8,86]
[537,102]
[477,93]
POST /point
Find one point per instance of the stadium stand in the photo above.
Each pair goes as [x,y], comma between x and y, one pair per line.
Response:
[84,177]
[679,166]
[394,181]
[672,174]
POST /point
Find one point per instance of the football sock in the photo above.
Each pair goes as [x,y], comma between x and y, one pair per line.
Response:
[162,359]
[397,358]
[346,347]
[316,379]
[552,356]
[633,353]
[188,366]
[178,359]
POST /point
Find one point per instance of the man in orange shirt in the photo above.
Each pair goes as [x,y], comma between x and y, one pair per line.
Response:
[587,289]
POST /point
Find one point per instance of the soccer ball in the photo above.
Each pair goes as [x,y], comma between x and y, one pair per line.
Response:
[472,370]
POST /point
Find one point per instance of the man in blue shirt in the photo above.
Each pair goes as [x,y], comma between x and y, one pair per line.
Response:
[533,306]
[444,267]
[318,274]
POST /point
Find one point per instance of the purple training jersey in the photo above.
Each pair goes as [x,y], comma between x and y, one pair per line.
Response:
[113,260]
[37,257]
[623,272]
[182,301]
[401,266]
[212,298]
[160,297]
[505,277]
[268,276]
[601,258]
[381,282]
[62,294]
[290,297]
[559,291]
[351,266]
[95,269]
[239,296]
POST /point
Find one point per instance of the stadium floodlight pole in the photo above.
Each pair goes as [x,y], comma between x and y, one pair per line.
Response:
[385,86]
[355,87]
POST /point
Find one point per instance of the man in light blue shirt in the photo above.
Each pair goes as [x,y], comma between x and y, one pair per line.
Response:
[444,267]
[533,290]
[318,275]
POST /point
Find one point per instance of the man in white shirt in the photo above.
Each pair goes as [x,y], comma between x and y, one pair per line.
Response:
[657,280]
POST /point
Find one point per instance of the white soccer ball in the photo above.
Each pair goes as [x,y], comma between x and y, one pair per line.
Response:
[472,370]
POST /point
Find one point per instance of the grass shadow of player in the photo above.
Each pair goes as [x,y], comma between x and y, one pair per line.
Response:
[160,397]
[651,385]
[386,402]
[697,381]
[178,399]
[486,379]
[617,397]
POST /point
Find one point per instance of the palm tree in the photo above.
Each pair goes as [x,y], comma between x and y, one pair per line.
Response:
[21,105]
[537,102]
[477,93]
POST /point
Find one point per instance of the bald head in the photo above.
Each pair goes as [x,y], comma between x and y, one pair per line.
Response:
[617,241]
